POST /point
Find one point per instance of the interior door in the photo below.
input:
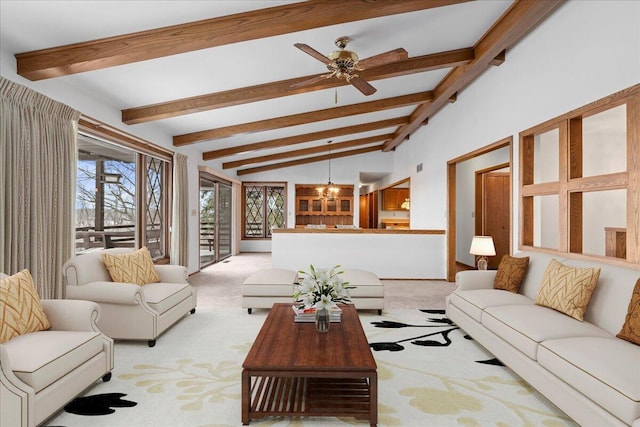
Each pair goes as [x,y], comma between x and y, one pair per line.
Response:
[495,213]
[364,211]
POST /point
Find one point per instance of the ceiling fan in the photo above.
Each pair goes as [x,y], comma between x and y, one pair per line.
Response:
[344,64]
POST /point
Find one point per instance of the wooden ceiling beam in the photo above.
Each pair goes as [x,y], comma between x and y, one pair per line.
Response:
[309,160]
[182,38]
[521,18]
[299,139]
[303,118]
[229,98]
[308,151]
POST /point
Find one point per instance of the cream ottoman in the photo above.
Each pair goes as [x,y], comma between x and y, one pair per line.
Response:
[265,287]
[369,290]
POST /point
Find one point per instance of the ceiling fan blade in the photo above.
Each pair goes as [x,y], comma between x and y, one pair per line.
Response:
[311,51]
[363,86]
[383,58]
[311,80]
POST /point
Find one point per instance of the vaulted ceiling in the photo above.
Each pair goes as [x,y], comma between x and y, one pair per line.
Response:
[224,77]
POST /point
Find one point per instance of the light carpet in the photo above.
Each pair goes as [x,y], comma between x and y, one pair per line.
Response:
[429,375]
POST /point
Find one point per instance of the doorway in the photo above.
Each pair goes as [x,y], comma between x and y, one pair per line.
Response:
[215,219]
[455,212]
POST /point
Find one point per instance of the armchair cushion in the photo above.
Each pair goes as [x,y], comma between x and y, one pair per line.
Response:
[134,267]
[20,307]
[58,353]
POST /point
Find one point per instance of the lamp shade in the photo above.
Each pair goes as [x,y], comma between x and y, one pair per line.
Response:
[482,245]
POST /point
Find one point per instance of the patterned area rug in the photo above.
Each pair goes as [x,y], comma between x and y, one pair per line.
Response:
[430,373]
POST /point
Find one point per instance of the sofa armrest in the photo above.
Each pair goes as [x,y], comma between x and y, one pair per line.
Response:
[107,292]
[71,315]
[172,273]
[475,279]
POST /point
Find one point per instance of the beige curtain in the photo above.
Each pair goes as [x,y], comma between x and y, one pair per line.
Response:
[180,215]
[37,185]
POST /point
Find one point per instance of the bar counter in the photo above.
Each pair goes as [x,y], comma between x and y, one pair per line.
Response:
[390,254]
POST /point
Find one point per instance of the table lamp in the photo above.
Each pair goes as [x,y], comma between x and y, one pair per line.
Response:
[483,247]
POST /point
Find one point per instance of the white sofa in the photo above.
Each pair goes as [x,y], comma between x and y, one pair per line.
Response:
[581,367]
[266,287]
[40,372]
[130,311]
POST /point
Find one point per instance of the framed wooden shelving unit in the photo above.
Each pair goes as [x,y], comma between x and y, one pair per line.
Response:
[311,208]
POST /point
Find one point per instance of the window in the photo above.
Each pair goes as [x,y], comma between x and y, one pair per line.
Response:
[121,196]
[579,182]
[264,208]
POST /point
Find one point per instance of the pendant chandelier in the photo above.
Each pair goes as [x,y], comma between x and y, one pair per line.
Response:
[330,191]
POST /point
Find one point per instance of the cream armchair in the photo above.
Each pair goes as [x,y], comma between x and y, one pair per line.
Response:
[40,372]
[130,311]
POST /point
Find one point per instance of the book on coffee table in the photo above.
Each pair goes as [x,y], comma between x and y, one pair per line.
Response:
[309,314]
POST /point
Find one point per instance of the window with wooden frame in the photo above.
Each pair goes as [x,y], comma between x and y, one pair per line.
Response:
[264,207]
[580,180]
[123,191]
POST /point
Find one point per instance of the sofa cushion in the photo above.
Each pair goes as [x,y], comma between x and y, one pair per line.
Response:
[163,296]
[473,302]
[567,289]
[511,272]
[606,370]
[525,326]
[610,300]
[133,267]
[41,358]
[631,328]
[20,308]
[538,263]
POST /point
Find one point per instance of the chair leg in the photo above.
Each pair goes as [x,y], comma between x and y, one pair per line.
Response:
[106,377]
[249,310]
[152,343]
[193,310]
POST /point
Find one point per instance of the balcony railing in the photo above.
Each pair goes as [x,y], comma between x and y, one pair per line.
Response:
[114,236]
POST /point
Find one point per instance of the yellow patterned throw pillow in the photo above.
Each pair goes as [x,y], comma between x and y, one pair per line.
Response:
[631,329]
[567,289]
[511,272]
[20,308]
[133,267]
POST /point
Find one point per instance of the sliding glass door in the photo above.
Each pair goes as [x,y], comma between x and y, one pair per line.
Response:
[215,220]
[224,220]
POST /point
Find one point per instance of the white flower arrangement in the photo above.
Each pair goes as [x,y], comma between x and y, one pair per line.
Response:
[322,288]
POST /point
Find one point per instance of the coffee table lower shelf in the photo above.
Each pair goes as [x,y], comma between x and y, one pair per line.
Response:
[311,396]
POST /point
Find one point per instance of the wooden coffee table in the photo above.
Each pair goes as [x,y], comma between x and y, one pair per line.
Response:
[294,370]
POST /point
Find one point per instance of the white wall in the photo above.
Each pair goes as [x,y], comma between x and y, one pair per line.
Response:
[585,51]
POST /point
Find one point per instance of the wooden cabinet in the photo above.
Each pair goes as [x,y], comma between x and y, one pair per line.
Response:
[313,209]
[395,223]
[392,198]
